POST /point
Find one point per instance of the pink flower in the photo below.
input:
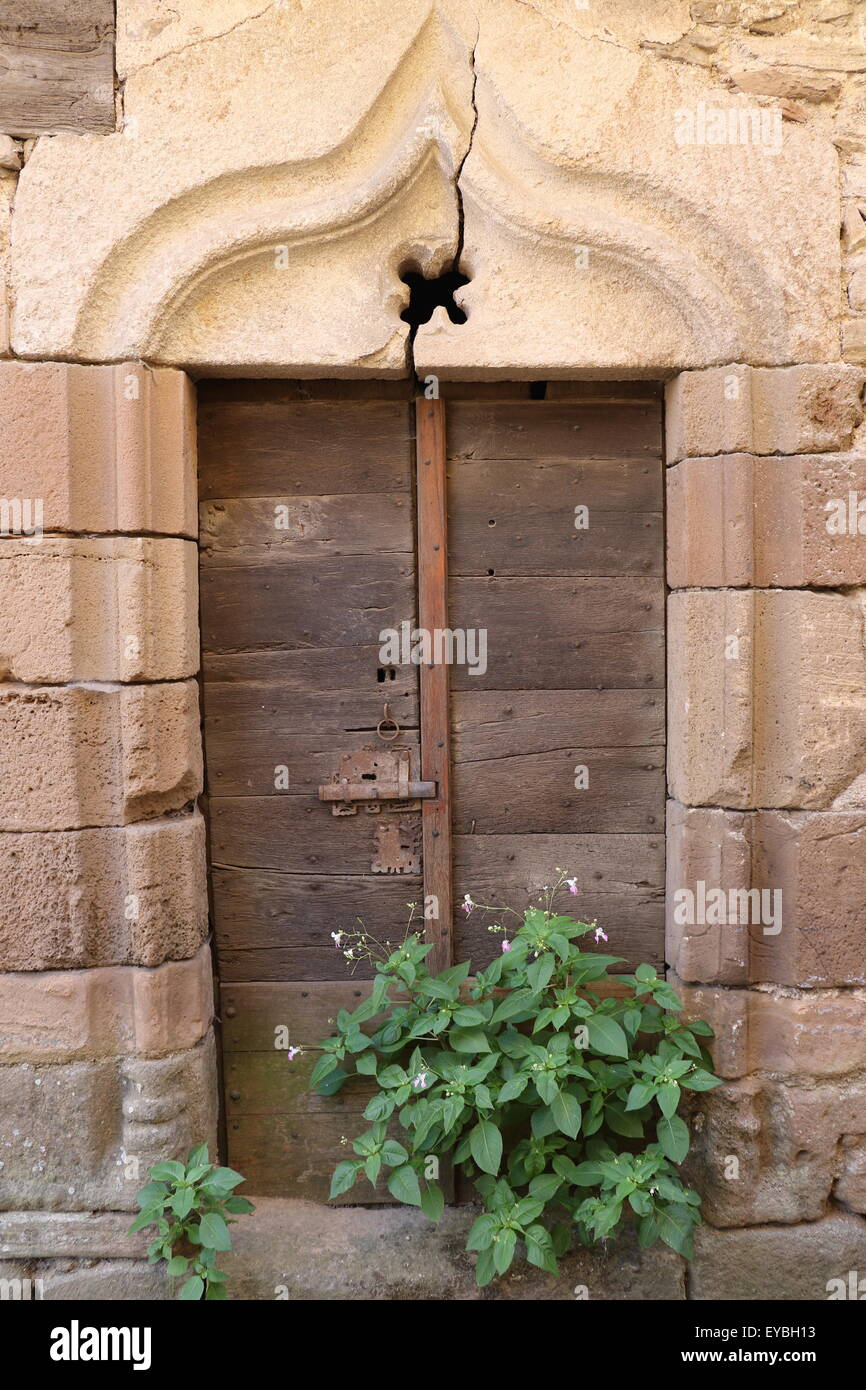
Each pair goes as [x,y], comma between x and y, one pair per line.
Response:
[572,885]
[506,946]
[600,935]
[292,1053]
[467,904]
[420,1081]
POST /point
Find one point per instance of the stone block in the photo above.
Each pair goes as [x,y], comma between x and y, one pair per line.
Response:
[808,925]
[81,1136]
[85,1235]
[84,1281]
[77,756]
[850,1186]
[767,522]
[854,341]
[778,1263]
[98,610]
[763,410]
[785,1031]
[766,1152]
[125,895]
[100,448]
[110,1011]
[766,699]
[316,1253]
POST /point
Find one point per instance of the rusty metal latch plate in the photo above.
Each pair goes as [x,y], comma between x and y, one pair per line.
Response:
[398,847]
[374,775]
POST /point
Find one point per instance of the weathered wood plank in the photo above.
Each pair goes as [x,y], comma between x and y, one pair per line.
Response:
[275,926]
[535,793]
[267,1083]
[56,66]
[273,530]
[572,633]
[332,602]
[294,1155]
[495,723]
[312,670]
[250,762]
[435,714]
[553,430]
[289,834]
[621,878]
[251,1012]
[271,447]
[251,730]
[518,517]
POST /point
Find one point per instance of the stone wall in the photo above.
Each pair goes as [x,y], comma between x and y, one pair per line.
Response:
[106,1000]
[673,189]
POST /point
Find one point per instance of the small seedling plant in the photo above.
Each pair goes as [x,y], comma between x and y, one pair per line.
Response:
[559,1104]
[192,1205]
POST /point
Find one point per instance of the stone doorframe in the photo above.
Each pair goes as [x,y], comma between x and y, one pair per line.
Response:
[250,216]
[106,1003]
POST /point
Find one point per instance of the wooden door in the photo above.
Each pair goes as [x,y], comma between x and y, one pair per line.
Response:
[308,554]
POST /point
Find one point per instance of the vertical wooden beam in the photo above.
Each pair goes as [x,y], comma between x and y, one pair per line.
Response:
[435,715]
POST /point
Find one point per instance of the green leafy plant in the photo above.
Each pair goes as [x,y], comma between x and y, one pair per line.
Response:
[560,1104]
[192,1206]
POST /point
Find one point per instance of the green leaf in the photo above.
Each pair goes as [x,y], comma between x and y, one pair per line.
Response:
[373,1167]
[669,1098]
[485,1269]
[325,1064]
[238,1206]
[216,1293]
[182,1202]
[194,1175]
[482,1232]
[469,1016]
[545,1186]
[606,1036]
[622,1122]
[546,1085]
[675,1227]
[168,1172]
[486,1146]
[379,1108]
[432,1202]
[214,1232]
[192,1290]
[468,1040]
[700,1080]
[538,974]
[197,1156]
[512,1089]
[503,1249]
[393,1153]
[640,1095]
[673,1135]
[514,1003]
[152,1196]
[344,1177]
[177,1265]
[403,1184]
[332,1083]
[543,1123]
[566,1112]
[539,1249]
[145,1218]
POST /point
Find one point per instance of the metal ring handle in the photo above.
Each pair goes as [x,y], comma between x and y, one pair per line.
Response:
[388,719]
